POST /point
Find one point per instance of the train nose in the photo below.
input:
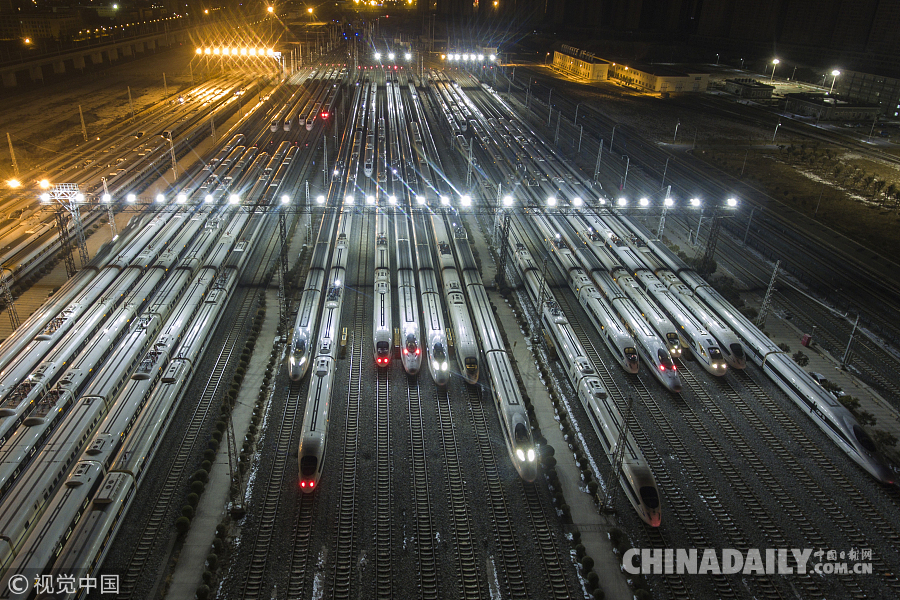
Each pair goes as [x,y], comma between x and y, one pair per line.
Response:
[654,518]
[307,486]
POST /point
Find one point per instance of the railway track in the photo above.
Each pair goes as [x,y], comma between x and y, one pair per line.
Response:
[425,534]
[156,524]
[469,583]
[748,494]
[268,512]
[863,505]
[301,538]
[384,574]
[346,513]
[553,568]
[510,572]
[346,521]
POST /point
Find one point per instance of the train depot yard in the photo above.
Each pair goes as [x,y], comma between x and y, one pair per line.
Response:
[333,313]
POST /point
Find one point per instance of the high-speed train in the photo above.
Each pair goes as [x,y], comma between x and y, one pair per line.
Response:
[514,421]
[647,344]
[382,329]
[636,478]
[314,432]
[465,344]
[692,333]
[304,332]
[126,339]
[407,302]
[827,413]
[435,334]
[728,343]
[74,533]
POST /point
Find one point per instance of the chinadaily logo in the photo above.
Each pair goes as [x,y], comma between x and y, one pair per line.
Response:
[768,561]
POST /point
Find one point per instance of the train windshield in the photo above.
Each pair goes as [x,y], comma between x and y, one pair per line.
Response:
[308,465]
[665,361]
[439,353]
[382,348]
[649,496]
[738,350]
[715,353]
[630,354]
[864,440]
[673,339]
[521,434]
[300,346]
[471,364]
[411,346]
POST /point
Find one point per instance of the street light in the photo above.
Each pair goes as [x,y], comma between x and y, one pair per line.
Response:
[507,200]
[378,56]
[466,200]
[774,64]
[391,56]
[776,131]
[835,74]
[407,56]
[14,183]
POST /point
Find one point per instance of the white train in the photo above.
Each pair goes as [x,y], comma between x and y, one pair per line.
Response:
[313,433]
[92,401]
[826,412]
[464,337]
[728,343]
[435,334]
[514,422]
[636,478]
[83,516]
[691,332]
[648,345]
[382,328]
[407,299]
[302,345]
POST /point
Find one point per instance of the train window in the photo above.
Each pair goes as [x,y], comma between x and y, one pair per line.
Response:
[864,440]
[650,496]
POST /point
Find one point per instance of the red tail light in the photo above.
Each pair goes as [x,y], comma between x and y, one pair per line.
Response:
[662,367]
[417,351]
[674,368]
[303,484]
[312,484]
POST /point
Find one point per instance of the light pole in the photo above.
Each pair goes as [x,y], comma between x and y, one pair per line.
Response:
[776,131]
[310,11]
[717,59]
[577,106]
[774,64]
[742,64]
[675,137]
[835,74]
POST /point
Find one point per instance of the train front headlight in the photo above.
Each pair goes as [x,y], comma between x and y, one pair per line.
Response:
[531,455]
[520,454]
[444,366]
